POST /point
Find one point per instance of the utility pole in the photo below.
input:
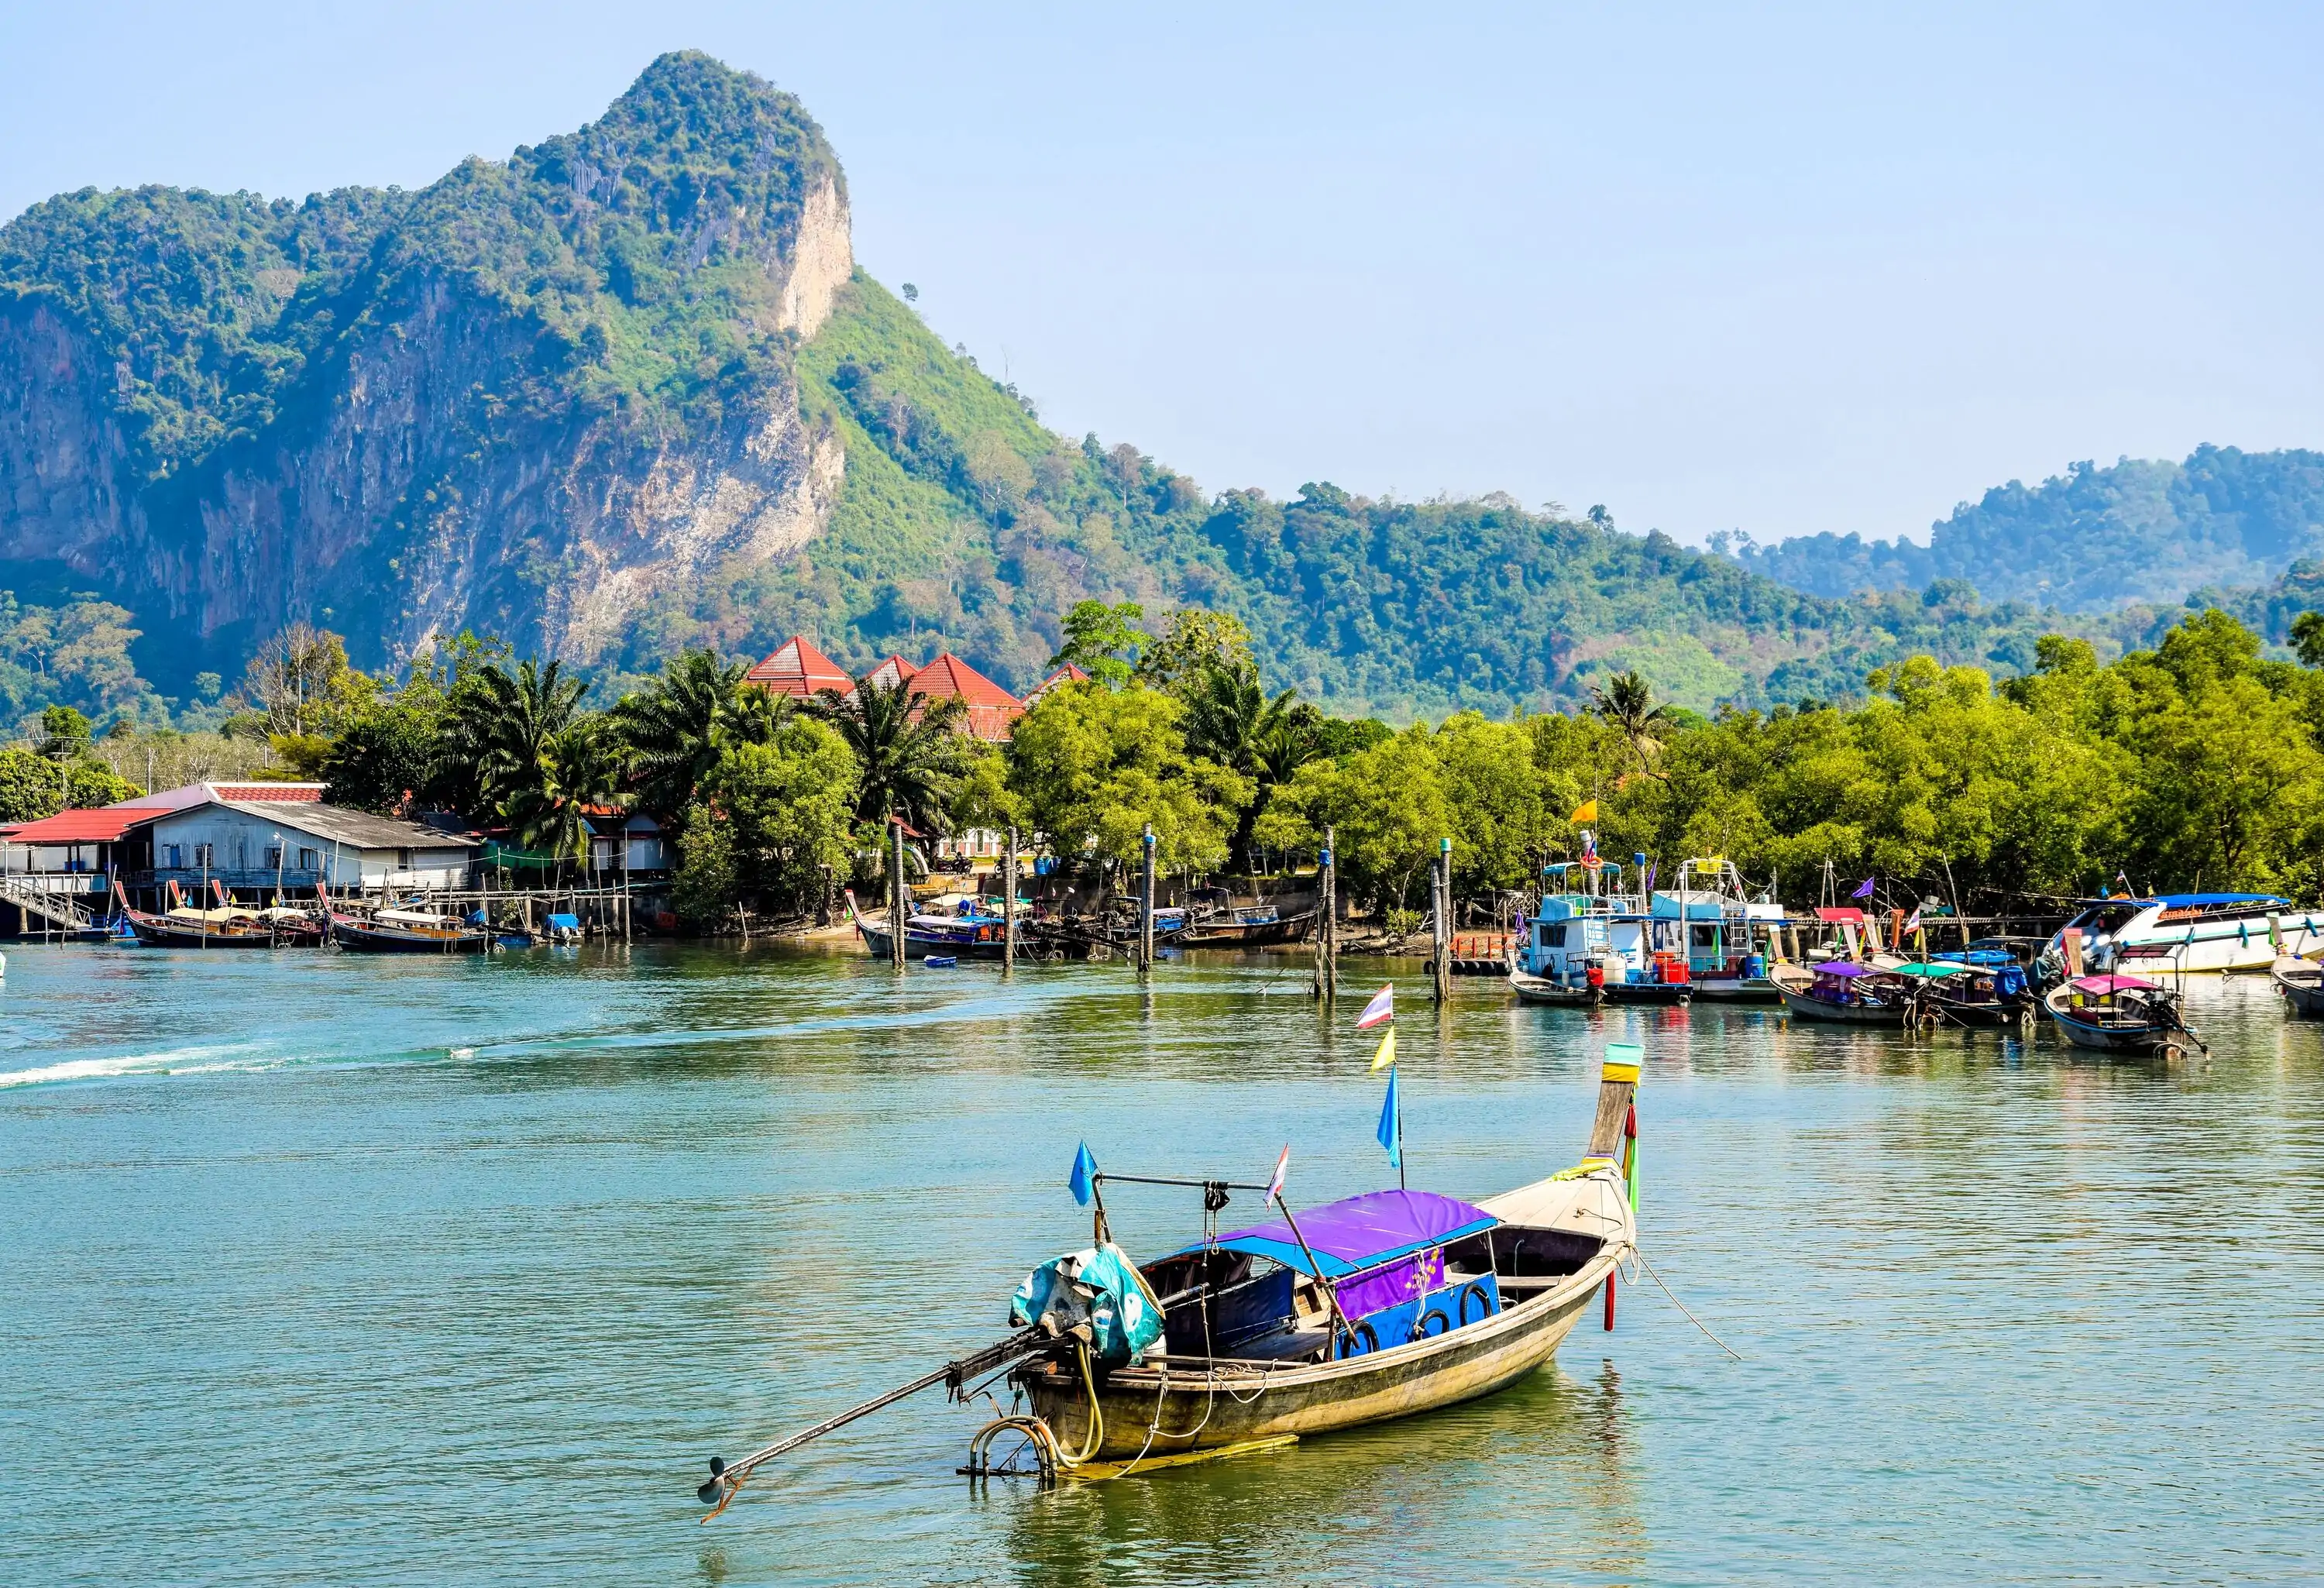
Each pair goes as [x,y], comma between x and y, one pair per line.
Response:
[1008,908]
[1146,907]
[896,892]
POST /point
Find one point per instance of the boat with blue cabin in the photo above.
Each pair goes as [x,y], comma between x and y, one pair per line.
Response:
[1590,943]
[1730,939]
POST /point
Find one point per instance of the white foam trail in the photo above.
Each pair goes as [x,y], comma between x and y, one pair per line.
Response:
[176,1060]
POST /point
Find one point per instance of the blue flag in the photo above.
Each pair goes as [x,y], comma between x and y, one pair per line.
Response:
[1085,1176]
[1391,1125]
[1863,890]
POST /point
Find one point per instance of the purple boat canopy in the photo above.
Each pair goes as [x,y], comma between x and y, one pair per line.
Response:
[2104,984]
[1841,968]
[1361,1231]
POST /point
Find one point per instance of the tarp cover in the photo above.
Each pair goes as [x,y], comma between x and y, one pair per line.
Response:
[2105,985]
[1099,1283]
[1840,968]
[1926,970]
[1361,1231]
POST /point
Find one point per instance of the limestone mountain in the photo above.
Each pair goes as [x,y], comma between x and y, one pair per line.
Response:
[624,390]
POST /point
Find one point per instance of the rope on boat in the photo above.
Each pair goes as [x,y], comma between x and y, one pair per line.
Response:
[1675,1302]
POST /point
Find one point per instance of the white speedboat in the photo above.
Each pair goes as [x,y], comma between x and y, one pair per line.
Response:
[2186,934]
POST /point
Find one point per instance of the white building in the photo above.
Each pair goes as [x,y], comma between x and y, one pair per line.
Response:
[251,842]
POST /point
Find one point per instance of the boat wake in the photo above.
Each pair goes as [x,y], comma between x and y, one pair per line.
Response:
[175,1061]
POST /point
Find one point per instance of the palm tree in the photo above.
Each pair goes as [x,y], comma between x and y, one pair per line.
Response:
[678,726]
[499,727]
[1627,703]
[581,767]
[1231,720]
[911,763]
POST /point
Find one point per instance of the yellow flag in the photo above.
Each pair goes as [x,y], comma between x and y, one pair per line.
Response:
[1587,813]
[1387,1054]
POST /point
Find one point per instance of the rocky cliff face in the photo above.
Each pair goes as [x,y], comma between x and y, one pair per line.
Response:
[523,399]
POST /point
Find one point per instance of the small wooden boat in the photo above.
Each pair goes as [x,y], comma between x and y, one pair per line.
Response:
[409,931]
[2301,983]
[1532,988]
[228,926]
[1375,1307]
[1843,991]
[2121,1015]
[1949,991]
[1250,925]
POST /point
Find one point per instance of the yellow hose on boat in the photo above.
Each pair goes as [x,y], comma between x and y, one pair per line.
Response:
[1097,1416]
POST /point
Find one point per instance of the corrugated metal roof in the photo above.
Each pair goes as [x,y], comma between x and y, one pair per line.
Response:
[358,830]
[87,826]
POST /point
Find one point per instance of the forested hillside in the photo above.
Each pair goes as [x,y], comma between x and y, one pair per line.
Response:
[2091,538]
[624,390]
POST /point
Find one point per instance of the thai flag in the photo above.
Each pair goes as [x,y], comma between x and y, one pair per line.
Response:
[1282,1168]
[1381,1008]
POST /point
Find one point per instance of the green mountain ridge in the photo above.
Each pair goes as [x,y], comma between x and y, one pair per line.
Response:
[625,392]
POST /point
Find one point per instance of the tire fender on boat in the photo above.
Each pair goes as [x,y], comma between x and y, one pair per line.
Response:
[1484,1302]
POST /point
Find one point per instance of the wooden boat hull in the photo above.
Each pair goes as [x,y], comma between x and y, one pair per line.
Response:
[1963,1012]
[2146,1038]
[2301,983]
[363,938]
[1737,989]
[920,944]
[1533,989]
[1161,1409]
[1289,929]
[159,932]
[1805,1007]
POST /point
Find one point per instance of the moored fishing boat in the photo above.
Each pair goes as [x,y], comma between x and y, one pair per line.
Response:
[1951,990]
[1372,1307]
[1248,926]
[1730,939]
[2301,983]
[228,926]
[409,931]
[2121,1015]
[1844,991]
[966,929]
[1588,943]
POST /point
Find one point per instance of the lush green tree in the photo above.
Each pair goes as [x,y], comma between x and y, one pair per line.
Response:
[1386,807]
[32,785]
[1627,701]
[1197,642]
[64,733]
[785,806]
[1093,767]
[1096,637]
[385,762]
[1232,721]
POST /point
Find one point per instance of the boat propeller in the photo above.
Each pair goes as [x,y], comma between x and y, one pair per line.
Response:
[708,1492]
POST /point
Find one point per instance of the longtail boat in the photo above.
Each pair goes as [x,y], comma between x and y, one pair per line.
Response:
[2301,983]
[1249,926]
[183,926]
[1372,1307]
[2121,1015]
[1843,991]
[406,931]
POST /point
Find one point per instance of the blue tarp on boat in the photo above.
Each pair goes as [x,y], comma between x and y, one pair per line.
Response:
[1359,1233]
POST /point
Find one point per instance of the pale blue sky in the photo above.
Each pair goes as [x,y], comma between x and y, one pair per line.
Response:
[1787,270]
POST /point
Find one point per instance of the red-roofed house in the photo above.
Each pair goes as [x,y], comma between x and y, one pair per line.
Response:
[798,669]
[1068,674]
[990,707]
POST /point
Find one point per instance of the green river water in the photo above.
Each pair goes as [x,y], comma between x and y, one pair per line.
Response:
[327,1268]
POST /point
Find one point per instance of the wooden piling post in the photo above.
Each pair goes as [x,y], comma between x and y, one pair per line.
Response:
[1008,908]
[1440,960]
[1327,942]
[896,892]
[1146,904]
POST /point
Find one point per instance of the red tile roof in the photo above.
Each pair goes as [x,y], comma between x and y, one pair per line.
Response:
[87,826]
[990,707]
[891,672]
[279,793]
[797,668]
